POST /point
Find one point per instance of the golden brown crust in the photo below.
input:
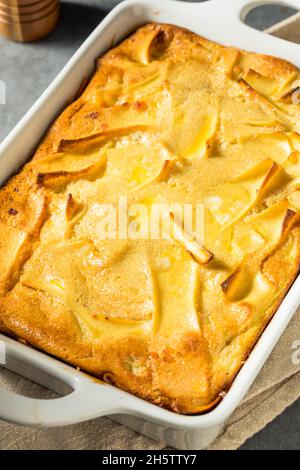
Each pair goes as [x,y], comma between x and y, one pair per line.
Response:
[171,114]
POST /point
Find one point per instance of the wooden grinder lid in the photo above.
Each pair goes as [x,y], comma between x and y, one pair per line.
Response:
[28,20]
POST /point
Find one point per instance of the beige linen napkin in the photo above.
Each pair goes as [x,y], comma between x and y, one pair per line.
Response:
[277,387]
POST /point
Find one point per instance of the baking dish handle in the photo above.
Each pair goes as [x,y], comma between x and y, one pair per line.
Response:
[240,8]
[230,22]
[87,397]
[87,401]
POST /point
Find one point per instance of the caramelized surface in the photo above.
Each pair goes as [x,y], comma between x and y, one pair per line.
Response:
[167,117]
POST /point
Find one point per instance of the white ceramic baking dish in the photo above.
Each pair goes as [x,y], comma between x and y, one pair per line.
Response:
[85,398]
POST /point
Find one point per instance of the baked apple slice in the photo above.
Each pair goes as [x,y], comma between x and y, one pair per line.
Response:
[257,181]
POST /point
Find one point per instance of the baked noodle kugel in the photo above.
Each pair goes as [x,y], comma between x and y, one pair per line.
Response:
[173,117]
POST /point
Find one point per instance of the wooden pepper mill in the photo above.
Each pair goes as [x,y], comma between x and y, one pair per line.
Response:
[28,20]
